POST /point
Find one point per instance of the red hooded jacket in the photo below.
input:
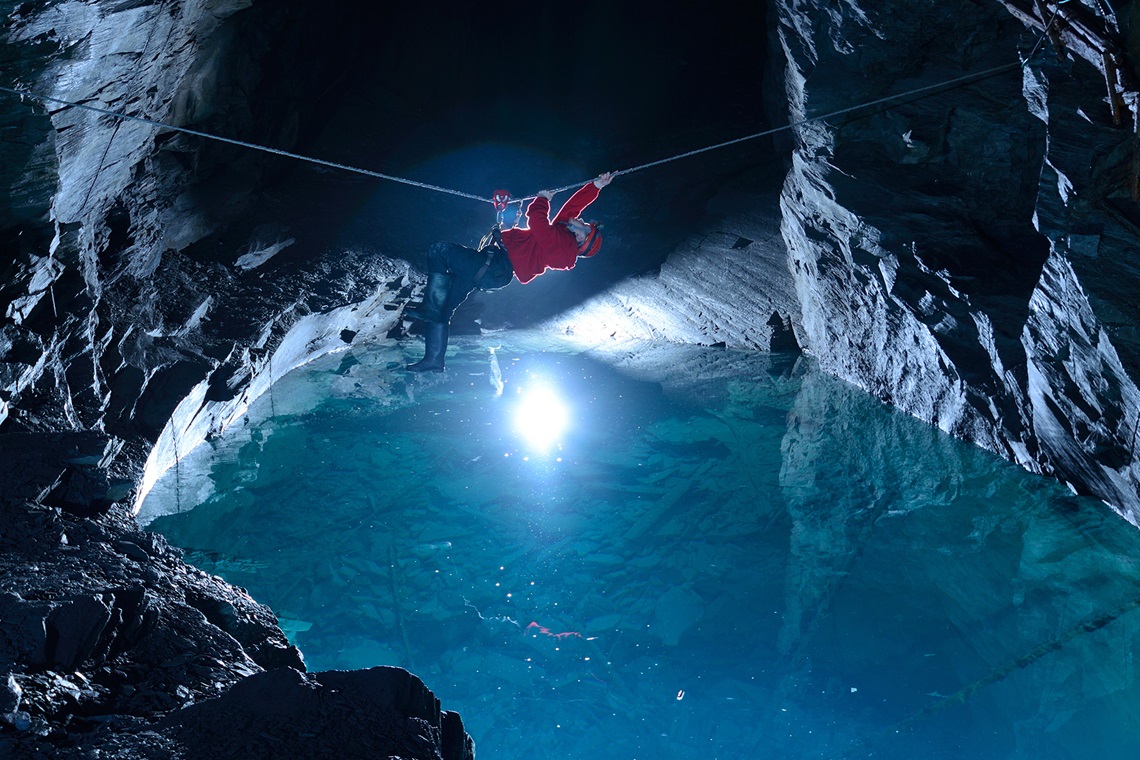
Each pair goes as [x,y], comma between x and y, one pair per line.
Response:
[547,244]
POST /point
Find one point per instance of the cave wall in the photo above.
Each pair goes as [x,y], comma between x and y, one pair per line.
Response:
[135,274]
[966,254]
[132,282]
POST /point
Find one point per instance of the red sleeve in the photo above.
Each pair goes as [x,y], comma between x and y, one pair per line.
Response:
[577,202]
[538,213]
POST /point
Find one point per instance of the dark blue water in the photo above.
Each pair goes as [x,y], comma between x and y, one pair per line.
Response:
[740,558]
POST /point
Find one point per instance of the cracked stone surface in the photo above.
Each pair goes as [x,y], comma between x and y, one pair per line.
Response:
[967,255]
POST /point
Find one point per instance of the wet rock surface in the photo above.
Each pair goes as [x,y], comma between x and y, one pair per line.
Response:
[111,644]
[728,285]
[960,254]
[968,257]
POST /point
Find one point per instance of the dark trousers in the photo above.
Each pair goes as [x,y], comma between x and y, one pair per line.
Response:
[462,263]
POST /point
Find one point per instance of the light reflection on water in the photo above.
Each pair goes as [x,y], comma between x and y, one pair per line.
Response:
[743,559]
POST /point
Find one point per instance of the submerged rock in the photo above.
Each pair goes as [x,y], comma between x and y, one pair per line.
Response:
[678,610]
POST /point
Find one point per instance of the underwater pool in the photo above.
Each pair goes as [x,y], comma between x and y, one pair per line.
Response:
[723,555]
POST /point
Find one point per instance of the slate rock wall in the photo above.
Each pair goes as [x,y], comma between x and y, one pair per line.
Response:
[133,277]
[933,243]
[129,284]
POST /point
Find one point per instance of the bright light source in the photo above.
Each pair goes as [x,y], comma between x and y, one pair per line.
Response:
[541,417]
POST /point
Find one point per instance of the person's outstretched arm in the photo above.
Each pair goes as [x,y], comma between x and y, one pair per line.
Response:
[585,195]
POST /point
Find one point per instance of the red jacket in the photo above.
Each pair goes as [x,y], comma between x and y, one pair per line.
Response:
[547,244]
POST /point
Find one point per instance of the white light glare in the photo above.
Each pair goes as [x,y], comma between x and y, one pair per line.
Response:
[541,417]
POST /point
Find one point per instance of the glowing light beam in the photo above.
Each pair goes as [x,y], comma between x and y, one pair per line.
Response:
[541,417]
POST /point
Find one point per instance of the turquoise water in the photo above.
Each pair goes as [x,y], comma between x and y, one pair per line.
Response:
[725,555]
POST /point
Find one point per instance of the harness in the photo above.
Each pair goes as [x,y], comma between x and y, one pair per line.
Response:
[486,265]
[492,246]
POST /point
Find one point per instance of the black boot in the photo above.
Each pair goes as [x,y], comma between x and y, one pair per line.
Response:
[435,299]
[435,347]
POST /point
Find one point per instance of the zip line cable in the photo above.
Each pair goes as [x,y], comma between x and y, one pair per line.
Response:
[961,80]
[919,91]
[241,143]
[949,84]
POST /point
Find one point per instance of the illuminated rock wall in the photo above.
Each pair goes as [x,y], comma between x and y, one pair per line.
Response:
[963,254]
[966,254]
[120,302]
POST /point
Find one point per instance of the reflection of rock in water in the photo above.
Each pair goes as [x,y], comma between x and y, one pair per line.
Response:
[999,576]
[677,610]
[837,483]
[496,374]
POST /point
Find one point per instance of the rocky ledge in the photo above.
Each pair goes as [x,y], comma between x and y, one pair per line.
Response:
[114,647]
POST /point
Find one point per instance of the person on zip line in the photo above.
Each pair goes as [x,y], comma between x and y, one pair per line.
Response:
[454,270]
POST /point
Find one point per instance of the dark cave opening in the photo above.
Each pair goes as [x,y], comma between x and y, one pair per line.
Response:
[473,101]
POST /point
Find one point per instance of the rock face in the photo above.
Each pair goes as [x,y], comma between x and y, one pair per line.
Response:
[961,254]
[728,285]
[109,629]
[954,233]
[130,286]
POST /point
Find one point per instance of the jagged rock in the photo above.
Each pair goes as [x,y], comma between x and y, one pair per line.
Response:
[23,637]
[100,644]
[967,255]
[10,696]
[75,630]
[380,711]
[930,243]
